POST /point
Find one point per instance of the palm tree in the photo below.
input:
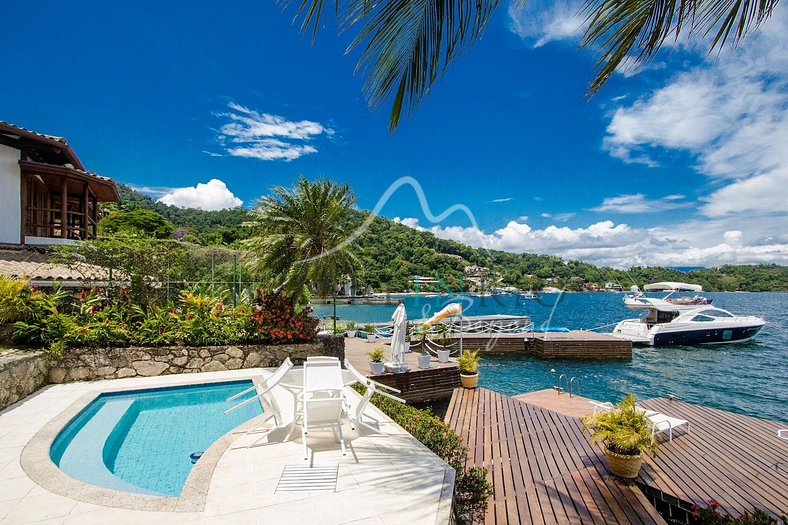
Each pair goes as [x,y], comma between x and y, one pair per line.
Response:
[299,238]
[407,45]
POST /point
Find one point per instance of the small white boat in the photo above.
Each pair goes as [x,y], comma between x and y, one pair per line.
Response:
[637,300]
[529,295]
[701,325]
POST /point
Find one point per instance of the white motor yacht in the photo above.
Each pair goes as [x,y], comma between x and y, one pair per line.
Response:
[637,300]
[701,325]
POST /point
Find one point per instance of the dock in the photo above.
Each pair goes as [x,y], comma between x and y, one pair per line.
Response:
[546,470]
[575,344]
[418,385]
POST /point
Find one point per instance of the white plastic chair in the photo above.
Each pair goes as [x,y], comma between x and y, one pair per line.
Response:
[603,407]
[322,401]
[270,406]
[373,387]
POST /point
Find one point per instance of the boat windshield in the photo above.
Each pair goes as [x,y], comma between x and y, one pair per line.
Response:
[715,313]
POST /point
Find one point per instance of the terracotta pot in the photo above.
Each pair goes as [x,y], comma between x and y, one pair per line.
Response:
[377,368]
[622,465]
[469,380]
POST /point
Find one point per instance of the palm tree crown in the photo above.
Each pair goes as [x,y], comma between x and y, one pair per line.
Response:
[407,45]
[299,239]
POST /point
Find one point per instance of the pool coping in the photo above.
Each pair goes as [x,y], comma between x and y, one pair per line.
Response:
[37,463]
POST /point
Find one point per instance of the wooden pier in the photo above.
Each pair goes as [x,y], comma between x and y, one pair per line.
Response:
[418,385]
[546,470]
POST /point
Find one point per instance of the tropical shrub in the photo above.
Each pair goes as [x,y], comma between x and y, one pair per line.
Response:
[624,430]
[471,487]
[469,362]
[276,319]
[709,515]
[377,355]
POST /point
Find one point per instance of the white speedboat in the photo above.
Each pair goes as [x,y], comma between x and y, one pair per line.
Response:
[701,325]
[529,295]
[637,300]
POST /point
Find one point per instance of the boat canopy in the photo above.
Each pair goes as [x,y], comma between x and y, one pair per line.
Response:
[674,286]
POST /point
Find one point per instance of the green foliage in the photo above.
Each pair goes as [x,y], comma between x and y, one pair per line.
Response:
[137,222]
[93,319]
[377,355]
[710,515]
[469,362]
[298,236]
[350,325]
[624,429]
[21,302]
[389,254]
[472,489]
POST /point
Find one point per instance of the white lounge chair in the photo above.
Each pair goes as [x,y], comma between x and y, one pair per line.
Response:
[268,401]
[373,387]
[322,401]
[600,406]
[661,423]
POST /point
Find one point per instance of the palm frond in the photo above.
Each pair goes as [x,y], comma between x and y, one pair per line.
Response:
[637,29]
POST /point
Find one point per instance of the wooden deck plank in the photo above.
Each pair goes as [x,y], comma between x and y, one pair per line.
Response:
[544,469]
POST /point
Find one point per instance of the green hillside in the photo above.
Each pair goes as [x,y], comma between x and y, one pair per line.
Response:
[392,253]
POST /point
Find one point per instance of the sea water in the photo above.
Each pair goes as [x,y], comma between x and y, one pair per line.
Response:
[748,378]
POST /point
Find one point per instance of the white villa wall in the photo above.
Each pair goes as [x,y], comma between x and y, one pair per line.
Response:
[10,196]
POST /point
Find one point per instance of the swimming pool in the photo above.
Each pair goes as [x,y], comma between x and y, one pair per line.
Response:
[142,441]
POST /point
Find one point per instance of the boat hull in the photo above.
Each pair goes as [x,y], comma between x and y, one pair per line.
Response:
[705,336]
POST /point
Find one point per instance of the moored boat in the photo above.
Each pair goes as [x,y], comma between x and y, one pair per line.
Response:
[701,325]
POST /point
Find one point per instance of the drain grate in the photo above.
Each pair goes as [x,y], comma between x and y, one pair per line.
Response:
[296,478]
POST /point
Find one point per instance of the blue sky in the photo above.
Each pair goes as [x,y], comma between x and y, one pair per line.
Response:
[680,163]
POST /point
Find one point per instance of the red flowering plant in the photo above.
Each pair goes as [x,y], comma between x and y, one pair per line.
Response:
[710,515]
[276,319]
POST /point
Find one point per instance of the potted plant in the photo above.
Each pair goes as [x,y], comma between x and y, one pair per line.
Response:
[425,359]
[626,433]
[370,331]
[376,365]
[469,368]
[443,340]
[351,329]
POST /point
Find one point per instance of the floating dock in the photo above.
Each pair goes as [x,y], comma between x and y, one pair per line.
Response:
[575,344]
[417,385]
[546,470]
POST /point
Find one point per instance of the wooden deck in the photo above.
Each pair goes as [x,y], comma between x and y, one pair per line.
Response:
[577,344]
[544,469]
[737,460]
[417,386]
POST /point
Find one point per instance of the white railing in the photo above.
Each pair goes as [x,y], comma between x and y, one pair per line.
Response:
[467,325]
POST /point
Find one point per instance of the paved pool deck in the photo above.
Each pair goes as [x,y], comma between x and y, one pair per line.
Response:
[385,480]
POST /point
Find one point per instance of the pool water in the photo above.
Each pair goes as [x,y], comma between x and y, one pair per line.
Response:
[142,441]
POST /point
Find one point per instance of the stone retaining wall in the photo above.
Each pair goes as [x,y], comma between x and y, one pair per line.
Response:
[21,374]
[86,364]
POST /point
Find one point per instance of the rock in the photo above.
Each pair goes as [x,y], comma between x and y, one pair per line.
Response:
[195,363]
[139,355]
[214,366]
[180,361]
[234,364]
[126,372]
[235,352]
[80,373]
[252,360]
[205,353]
[105,371]
[57,375]
[149,368]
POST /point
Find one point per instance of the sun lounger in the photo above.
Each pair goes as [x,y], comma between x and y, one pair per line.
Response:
[373,387]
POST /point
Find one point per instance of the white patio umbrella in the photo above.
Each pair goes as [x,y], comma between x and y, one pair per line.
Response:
[400,318]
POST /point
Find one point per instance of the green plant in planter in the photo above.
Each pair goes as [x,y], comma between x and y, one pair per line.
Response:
[340,329]
[442,337]
[350,326]
[377,355]
[369,328]
[469,363]
[626,433]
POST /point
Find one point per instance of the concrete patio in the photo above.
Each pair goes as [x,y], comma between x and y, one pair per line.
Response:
[382,480]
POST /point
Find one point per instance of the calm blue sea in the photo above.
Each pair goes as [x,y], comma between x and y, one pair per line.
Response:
[749,378]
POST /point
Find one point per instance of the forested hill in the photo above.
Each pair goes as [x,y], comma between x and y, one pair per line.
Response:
[392,253]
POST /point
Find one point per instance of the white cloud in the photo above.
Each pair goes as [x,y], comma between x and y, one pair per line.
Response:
[638,203]
[730,114]
[212,195]
[264,136]
[503,199]
[559,217]
[694,243]
[544,21]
